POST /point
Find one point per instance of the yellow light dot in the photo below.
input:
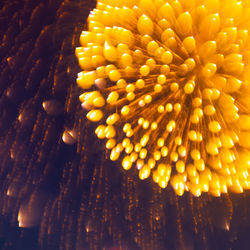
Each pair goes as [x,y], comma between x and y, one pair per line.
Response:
[122,49]
[165,69]
[110,53]
[144,172]
[131,96]
[226,141]
[140,83]
[86,80]
[170,126]
[191,170]
[126,163]
[177,107]
[174,86]
[161,79]
[188,88]
[196,102]
[100,131]
[178,140]
[214,126]
[163,182]
[158,88]
[215,94]
[144,70]
[145,25]
[114,75]
[189,44]
[160,109]
[143,153]
[157,155]
[160,142]
[125,110]
[164,169]
[101,71]
[137,147]
[195,154]
[95,115]
[126,127]
[114,155]
[99,102]
[182,151]
[110,143]
[169,107]
[209,110]
[129,148]
[110,132]
[192,135]
[130,133]
[180,166]
[148,98]
[174,157]
[152,46]
[112,97]
[154,126]
[190,62]
[198,112]
[164,151]
[119,148]
[85,63]
[167,57]
[133,156]
[125,142]
[145,124]
[121,83]
[151,163]
[199,164]
[207,93]
[212,148]
[140,121]
[144,140]
[126,59]
[151,63]
[195,119]
[166,34]
[130,87]
[156,176]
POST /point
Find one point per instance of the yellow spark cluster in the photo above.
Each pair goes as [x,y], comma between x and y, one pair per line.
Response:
[169,88]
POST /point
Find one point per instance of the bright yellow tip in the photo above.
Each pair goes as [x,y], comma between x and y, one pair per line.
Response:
[95,115]
[127,163]
[114,75]
[189,44]
[112,97]
[144,172]
[144,70]
[125,110]
[167,57]
[86,80]
[188,88]
[145,25]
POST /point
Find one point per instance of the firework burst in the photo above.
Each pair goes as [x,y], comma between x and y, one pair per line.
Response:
[169,85]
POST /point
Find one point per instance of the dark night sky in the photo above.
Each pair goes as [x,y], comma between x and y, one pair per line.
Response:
[70,196]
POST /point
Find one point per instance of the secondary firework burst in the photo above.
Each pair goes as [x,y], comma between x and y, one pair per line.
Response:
[169,88]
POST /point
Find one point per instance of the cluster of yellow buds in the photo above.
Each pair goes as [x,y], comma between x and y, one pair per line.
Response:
[169,88]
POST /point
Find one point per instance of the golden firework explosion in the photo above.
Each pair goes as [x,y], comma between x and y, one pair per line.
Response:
[169,81]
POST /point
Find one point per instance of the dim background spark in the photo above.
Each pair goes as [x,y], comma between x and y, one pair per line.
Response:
[58,188]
